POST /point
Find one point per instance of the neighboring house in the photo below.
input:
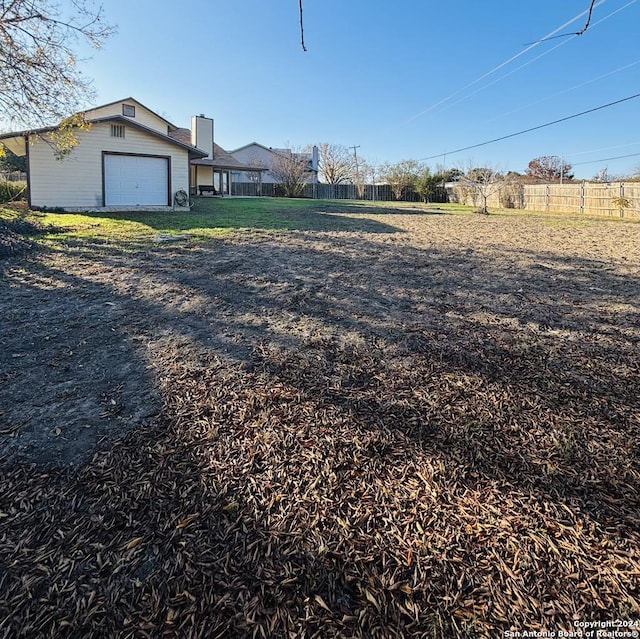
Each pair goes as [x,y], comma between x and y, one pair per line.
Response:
[213,173]
[257,155]
[130,157]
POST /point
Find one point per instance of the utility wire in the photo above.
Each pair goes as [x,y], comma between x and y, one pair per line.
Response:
[506,75]
[541,55]
[603,148]
[617,157]
[575,33]
[301,27]
[497,68]
[586,26]
[533,128]
[555,95]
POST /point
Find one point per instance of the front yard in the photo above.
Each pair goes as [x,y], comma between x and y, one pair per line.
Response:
[274,418]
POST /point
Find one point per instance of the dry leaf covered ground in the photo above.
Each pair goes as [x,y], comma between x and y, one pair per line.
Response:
[420,425]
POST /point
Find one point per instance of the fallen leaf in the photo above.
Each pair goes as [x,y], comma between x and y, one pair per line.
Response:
[134,542]
[321,602]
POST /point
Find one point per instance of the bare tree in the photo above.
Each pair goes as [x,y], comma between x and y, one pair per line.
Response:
[482,183]
[40,83]
[365,175]
[39,77]
[290,170]
[335,163]
[549,168]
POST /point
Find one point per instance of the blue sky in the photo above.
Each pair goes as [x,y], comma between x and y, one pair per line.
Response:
[409,79]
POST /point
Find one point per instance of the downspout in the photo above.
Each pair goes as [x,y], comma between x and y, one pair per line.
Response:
[26,144]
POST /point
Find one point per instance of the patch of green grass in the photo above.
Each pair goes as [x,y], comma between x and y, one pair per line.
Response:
[212,217]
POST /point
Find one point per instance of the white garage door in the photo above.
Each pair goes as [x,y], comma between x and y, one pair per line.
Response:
[131,180]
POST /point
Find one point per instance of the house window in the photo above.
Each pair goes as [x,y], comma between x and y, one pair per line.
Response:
[117,130]
[129,110]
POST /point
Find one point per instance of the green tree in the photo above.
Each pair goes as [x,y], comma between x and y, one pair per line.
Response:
[401,177]
[426,184]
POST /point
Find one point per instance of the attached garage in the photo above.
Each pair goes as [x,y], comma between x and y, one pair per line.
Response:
[136,180]
[129,158]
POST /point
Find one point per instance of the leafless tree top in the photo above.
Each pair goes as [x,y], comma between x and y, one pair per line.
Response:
[40,82]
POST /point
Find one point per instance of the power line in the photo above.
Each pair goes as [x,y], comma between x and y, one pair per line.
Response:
[617,157]
[555,95]
[534,128]
[578,33]
[532,60]
[304,48]
[586,26]
[602,148]
[498,67]
[509,73]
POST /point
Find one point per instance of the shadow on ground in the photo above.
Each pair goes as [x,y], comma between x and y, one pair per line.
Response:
[358,437]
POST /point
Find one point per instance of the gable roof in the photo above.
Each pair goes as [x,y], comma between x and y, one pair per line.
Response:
[303,155]
[246,146]
[130,99]
[194,152]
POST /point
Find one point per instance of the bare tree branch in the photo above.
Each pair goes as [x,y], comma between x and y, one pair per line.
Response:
[290,170]
[335,164]
[40,83]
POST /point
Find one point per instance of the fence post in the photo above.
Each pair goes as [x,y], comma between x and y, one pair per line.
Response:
[582,197]
[621,195]
[546,198]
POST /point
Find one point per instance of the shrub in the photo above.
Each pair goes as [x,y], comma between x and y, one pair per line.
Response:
[12,191]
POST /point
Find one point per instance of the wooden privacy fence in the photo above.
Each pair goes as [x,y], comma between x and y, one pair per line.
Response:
[13,176]
[615,198]
[372,192]
[320,191]
[593,198]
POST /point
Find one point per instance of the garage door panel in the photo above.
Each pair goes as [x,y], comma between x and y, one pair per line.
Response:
[135,180]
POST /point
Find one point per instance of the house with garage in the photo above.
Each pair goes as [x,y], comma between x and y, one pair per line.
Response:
[127,157]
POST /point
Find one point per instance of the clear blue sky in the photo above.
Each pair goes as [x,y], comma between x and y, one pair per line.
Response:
[401,80]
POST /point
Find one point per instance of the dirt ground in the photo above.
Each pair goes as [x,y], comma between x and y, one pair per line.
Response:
[425,425]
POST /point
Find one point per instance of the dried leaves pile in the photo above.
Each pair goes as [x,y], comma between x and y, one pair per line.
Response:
[15,234]
[425,486]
